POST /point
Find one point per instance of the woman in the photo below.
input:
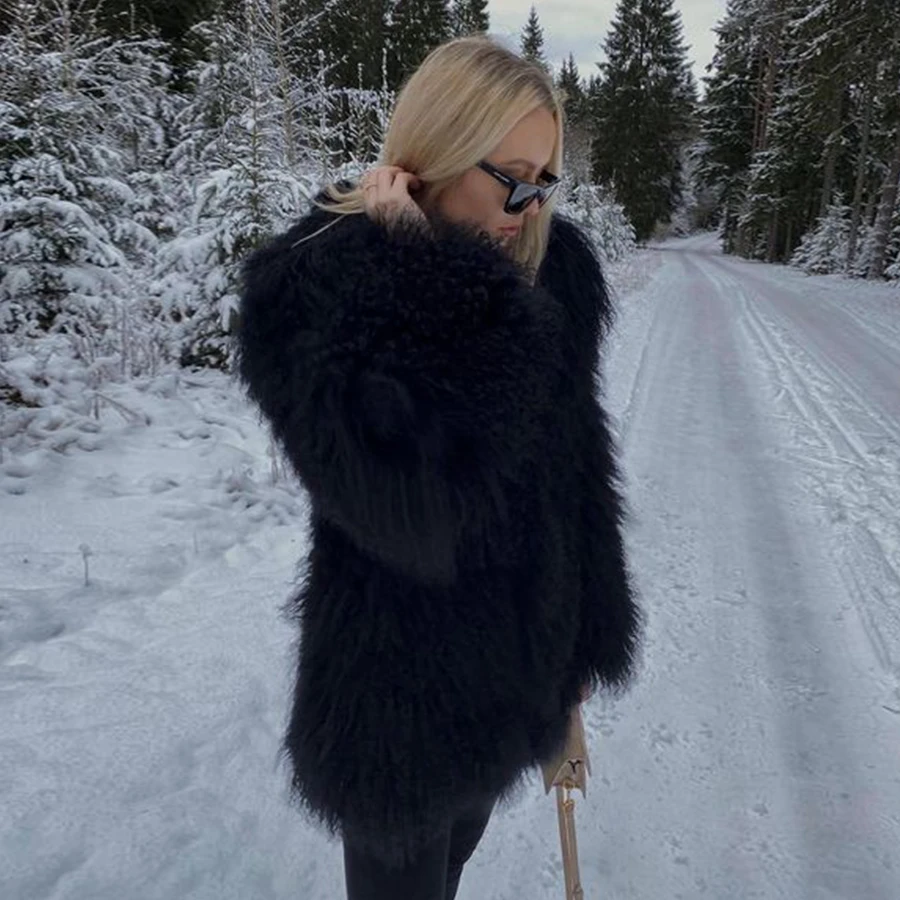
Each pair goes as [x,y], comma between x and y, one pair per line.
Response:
[424,345]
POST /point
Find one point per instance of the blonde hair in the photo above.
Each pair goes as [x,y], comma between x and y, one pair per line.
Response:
[451,113]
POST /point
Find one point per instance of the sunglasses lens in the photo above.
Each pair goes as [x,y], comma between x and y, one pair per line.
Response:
[547,192]
[521,197]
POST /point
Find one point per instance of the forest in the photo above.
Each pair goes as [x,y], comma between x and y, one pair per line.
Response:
[146,148]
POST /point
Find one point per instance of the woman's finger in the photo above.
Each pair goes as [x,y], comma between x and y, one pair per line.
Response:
[376,191]
[385,180]
[382,175]
[369,184]
[386,192]
[407,182]
[402,188]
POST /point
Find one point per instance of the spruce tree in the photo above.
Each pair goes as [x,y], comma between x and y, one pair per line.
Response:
[726,115]
[802,107]
[883,251]
[644,111]
[349,36]
[343,46]
[569,83]
[824,249]
[887,208]
[801,146]
[416,28]
[469,17]
[533,41]
[246,166]
[172,22]
[577,143]
[82,113]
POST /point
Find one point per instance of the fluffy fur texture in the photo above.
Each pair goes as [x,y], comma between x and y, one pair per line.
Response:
[467,574]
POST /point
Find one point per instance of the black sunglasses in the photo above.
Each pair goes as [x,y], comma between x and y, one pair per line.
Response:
[521,193]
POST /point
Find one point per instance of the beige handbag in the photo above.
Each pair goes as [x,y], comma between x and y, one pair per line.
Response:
[567,771]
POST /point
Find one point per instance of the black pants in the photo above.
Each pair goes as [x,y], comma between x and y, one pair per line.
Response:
[434,874]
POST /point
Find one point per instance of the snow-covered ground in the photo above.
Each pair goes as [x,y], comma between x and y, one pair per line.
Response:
[758,755]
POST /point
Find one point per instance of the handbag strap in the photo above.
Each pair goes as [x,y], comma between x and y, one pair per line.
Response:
[569,842]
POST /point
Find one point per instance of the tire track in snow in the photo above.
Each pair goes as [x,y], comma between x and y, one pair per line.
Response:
[882,325]
[729,716]
[838,347]
[751,759]
[869,539]
[808,652]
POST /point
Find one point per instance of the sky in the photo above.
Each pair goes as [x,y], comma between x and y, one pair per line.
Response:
[580,26]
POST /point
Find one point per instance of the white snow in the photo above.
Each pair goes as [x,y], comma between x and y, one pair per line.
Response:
[758,755]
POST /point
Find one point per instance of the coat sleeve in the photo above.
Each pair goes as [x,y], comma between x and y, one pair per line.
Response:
[571,271]
[405,375]
[610,620]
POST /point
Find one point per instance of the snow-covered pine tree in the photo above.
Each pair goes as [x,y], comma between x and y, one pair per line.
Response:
[577,143]
[814,112]
[812,78]
[865,102]
[365,35]
[824,248]
[533,41]
[726,115]
[882,230]
[351,34]
[886,143]
[592,206]
[342,46]
[81,119]
[469,17]
[592,95]
[696,207]
[169,22]
[246,167]
[644,111]
[596,210]
[416,27]
[324,129]
[367,117]
[778,192]
[892,272]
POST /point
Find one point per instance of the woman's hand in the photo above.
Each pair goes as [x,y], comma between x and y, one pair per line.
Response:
[386,193]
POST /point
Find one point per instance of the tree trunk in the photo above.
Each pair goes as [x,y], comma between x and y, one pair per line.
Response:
[772,244]
[832,150]
[861,167]
[761,126]
[885,216]
[757,109]
[288,112]
[871,202]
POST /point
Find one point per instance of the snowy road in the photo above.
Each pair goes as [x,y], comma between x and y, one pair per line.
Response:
[758,756]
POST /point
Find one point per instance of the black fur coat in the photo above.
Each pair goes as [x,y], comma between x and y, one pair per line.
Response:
[467,574]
